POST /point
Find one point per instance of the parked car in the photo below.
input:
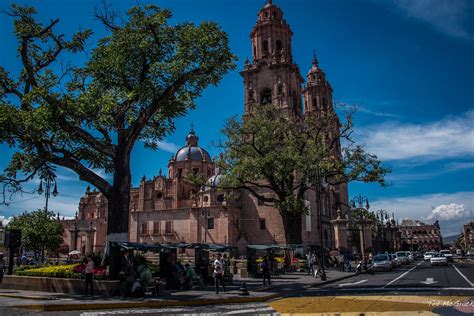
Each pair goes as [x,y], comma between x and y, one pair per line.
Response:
[447,253]
[458,252]
[438,259]
[427,256]
[419,255]
[402,257]
[410,256]
[382,263]
[394,261]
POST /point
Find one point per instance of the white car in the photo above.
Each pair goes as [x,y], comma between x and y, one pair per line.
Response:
[438,260]
[447,254]
[427,256]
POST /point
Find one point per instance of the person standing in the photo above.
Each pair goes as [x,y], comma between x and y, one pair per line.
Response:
[309,263]
[218,273]
[266,271]
[2,267]
[88,272]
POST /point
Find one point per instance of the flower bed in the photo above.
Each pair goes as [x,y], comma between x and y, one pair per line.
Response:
[62,271]
[59,271]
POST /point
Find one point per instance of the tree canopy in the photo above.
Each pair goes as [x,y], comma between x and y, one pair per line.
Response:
[40,231]
[279,158]
[136,80]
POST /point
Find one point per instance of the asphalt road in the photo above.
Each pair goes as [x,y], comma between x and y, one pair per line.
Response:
[419,277]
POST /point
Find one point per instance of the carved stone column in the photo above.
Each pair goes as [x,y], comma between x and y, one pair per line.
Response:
[339,226]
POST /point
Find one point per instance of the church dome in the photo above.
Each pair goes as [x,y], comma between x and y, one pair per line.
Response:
[192,151]
[214,181]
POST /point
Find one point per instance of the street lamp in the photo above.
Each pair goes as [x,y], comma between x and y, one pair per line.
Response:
[49,180]
[360,201]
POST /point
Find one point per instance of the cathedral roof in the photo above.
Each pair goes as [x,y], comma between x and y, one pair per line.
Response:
[192,151]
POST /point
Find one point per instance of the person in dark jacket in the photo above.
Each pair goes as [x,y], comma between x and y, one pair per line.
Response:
[266,271]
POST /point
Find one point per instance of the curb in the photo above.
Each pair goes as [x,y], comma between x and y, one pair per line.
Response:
[157,304]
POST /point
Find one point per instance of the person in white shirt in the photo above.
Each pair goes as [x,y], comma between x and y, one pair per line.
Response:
[219,273]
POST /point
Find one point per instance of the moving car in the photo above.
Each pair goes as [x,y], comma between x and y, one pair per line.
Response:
[382,263]
[438,260]
[447,253]
[402,257]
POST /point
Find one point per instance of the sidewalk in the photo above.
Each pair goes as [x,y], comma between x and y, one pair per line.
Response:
[287,283]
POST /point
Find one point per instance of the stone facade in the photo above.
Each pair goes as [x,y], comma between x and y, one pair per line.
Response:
[468,235]
[169,209]
[419,236]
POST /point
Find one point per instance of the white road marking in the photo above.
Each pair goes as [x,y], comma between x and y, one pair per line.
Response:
[402,275]
[247,311]
[400,289]
[465,278]
[429,281]
[355,283]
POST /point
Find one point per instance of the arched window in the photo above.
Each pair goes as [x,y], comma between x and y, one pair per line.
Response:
[266,96]
[279,46]
[206,199]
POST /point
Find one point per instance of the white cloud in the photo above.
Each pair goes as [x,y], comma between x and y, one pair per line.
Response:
[5,220]
[168,147]
[363,109]
[447,212]
[421,206]
[446,138]
[446,16]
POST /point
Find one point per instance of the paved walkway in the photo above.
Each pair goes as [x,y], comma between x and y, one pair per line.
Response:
[282,284]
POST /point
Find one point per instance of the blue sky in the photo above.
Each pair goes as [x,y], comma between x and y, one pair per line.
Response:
[407,65]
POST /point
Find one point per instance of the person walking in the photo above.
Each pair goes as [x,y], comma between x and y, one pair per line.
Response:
[219,273]
[2,267]
[266,271]
[88,274]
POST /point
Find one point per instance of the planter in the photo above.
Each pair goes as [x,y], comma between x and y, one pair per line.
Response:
[58,285]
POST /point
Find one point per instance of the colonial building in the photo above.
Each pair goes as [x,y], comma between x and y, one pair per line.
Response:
[417,235]
[468,235]
[170,208]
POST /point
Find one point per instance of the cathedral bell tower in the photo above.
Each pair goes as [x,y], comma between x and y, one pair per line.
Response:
[272,77]
[318,91]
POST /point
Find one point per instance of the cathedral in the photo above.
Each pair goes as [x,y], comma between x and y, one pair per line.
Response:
[168,209]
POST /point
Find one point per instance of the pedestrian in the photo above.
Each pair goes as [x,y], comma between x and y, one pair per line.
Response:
[266,271]
[88,272]
[309,263]
[2,267]
[219,273]
[189,276]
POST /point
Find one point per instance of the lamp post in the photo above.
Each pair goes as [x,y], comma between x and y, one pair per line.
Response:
[361,202]
[381,216]
[320,185]
[49,180]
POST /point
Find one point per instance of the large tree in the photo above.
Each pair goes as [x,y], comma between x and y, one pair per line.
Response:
[279,158]
[143,74]
[40,230]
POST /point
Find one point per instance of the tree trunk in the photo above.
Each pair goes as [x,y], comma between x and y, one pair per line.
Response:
[118,212]
[292,225]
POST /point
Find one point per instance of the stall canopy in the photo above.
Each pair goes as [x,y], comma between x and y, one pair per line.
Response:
[139,246]
[277,247]
[159,247]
